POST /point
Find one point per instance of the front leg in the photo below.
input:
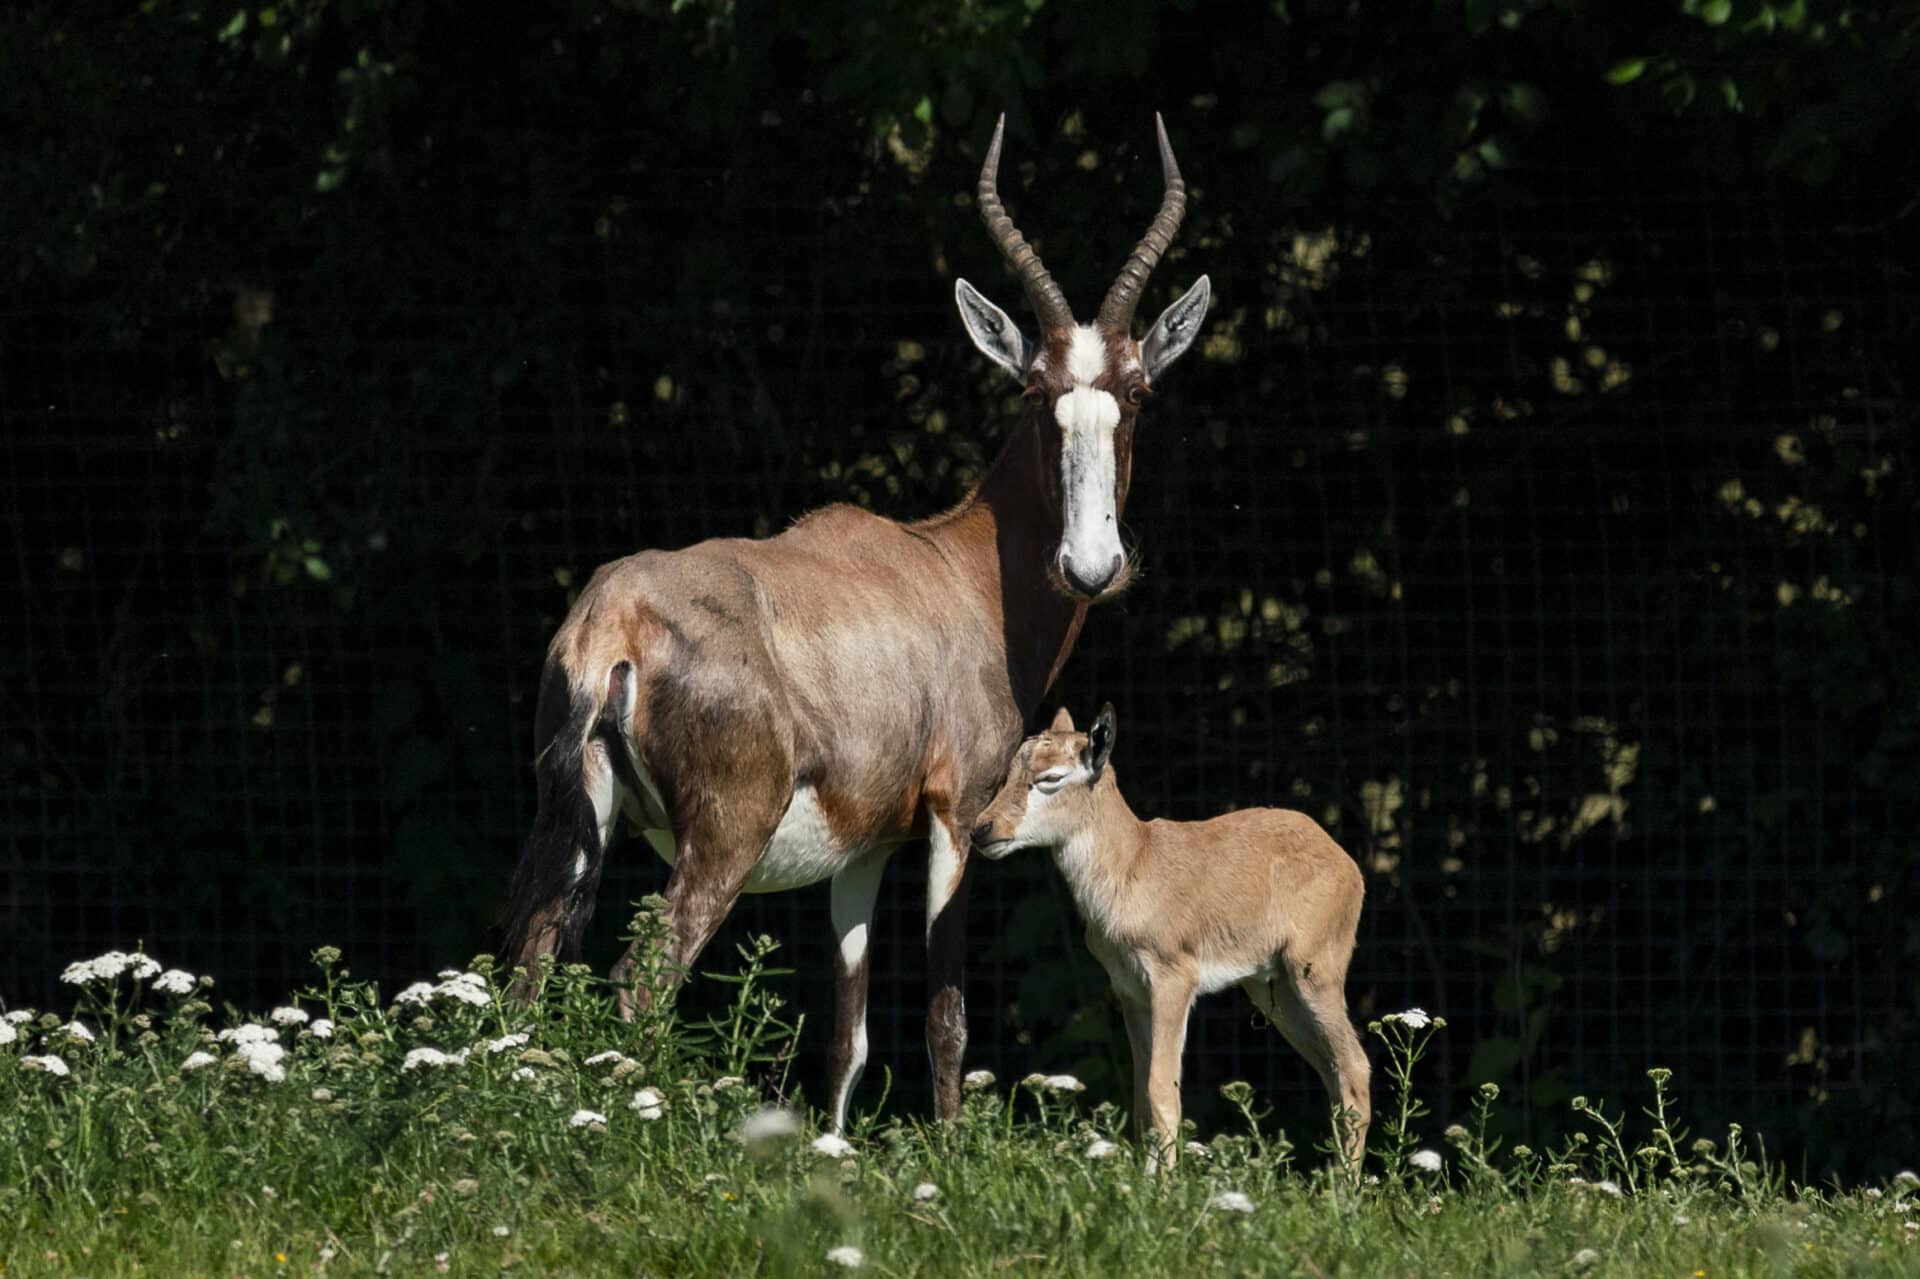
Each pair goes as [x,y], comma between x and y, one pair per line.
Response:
[1172,1003]
[947,883]
[854,889]
[1139,1019]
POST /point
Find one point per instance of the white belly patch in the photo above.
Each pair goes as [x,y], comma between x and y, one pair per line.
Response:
[802,851]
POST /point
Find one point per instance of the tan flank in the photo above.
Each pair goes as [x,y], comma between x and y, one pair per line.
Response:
[1262,899]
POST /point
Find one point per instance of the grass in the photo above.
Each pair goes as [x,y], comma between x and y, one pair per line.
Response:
[327,1141]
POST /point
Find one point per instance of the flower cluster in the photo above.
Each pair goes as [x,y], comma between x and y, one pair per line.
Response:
[464,988]
[109,967]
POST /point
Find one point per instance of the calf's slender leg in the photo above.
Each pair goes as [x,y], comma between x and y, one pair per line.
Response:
[1172,1003]
[1311,1013]
[1139,1019]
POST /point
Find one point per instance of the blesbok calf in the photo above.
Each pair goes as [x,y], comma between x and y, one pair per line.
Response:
[774,713]
[1261,898]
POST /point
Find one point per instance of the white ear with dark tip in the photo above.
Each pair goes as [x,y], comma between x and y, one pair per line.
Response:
[992,330]
[1175,330]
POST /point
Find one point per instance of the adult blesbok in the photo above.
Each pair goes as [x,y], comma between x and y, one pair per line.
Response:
[773,713]
[1261,898]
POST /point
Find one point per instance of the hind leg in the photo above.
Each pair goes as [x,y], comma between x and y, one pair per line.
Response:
[712,860]
[1310,1010]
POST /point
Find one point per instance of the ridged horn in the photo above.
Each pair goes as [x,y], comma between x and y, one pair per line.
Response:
[1116,312]
[1048,302]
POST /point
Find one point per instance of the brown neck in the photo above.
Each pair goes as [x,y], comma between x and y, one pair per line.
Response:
[1005,534]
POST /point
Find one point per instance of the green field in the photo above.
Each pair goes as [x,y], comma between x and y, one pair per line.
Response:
[444,1130]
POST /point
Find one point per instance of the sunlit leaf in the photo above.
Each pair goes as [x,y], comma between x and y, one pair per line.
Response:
[1626,72]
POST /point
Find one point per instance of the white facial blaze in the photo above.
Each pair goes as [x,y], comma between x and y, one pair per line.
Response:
[1090,541]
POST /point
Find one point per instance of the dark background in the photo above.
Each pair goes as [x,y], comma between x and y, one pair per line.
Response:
[1538,511]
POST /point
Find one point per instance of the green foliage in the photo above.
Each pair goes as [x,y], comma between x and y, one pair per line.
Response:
[448,1128]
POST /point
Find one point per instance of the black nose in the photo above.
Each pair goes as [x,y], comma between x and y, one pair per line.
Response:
[1089,585]
[981,834]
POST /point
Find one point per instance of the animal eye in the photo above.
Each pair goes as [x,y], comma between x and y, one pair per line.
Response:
[1136,393]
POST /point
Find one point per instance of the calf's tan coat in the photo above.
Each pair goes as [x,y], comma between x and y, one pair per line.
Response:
[1261,898]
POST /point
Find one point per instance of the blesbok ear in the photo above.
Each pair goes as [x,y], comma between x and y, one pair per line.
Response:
[1176,329]
[1100,740]
[1062,722]
[992,330]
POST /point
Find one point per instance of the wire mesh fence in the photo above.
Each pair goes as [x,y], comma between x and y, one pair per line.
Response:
[1548,557]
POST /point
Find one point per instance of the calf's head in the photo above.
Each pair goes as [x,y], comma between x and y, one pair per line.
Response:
[1048,795]
[1085,382]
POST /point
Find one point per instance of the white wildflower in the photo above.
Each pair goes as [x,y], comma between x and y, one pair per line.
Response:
[197,1061]
[1907,1178]
[582,1118]
[1102,1149]
[847,1255]
[142,966]
[649,1103]
[727,1083]
[1062,1083]
[1198,1150]
[288,1017]
[100,968]
[501,1232]
[434,1057]
[77,1032]
[420,993]
[465,992]
[507,1043]
[524,1072]
[18,1016]
[7,1033]
[448,974]
[322,1095]
[603,1058]
[832,1146]
[1681,1219]
[1230,1201]
[1425,1160]
[1585,1257]
[49,1063]
[264,1059]
[768,1124]
[1412,1019]
[978,1079]
[1608,1188]
[249,1033]
[175,981]
[321,1028]
[925,1192]
[1871,1192]
[326,1255]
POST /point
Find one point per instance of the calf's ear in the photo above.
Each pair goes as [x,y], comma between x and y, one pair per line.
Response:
[1100,740]
[1062,722]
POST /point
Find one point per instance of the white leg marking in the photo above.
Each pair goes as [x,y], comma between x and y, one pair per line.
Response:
[943,872]
[854,890]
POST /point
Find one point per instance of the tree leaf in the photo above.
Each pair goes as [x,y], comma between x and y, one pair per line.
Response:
[1626,72]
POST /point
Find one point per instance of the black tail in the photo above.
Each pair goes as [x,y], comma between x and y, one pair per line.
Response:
[548,896]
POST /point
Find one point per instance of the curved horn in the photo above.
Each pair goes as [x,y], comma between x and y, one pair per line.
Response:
[1049,303]
[1117,311]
